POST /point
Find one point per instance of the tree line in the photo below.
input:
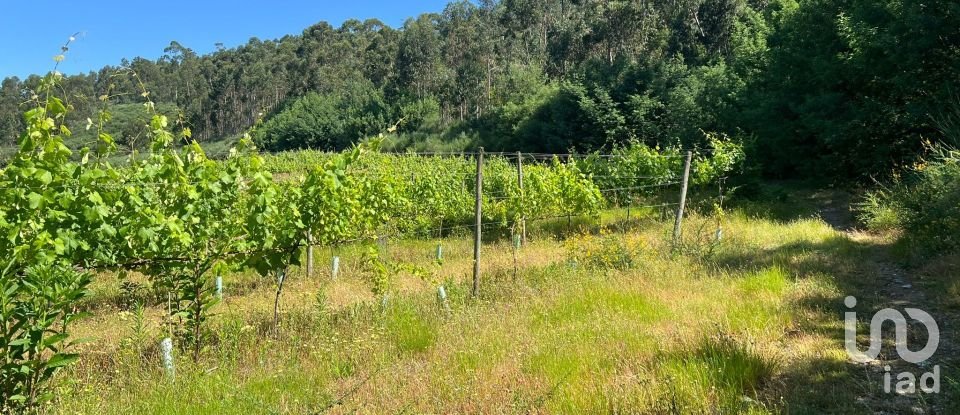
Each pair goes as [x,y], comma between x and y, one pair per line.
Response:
[822,88]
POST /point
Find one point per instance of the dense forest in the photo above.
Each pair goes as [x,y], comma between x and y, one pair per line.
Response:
[820,88]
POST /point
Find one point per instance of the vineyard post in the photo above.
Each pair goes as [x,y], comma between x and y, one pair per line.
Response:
[440,241]
[516,247]
[629,201]
[523,217]
[569,214]
[309,254]
[683,197]
[477,224]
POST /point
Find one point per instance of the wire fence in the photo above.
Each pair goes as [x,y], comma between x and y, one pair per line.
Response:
[466,179]
[667,185]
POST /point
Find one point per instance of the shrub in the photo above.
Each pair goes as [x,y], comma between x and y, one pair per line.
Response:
[879,212]
[37,307]
[931,203]
[925,205]
[604,251]
[328,122]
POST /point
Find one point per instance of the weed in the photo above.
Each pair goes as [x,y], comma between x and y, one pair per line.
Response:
[603,251]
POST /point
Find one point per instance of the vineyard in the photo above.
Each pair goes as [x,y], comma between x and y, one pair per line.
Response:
[480,207]
[185,221]
[365,281]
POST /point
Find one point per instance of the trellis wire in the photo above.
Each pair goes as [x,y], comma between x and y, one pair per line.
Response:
[413,176]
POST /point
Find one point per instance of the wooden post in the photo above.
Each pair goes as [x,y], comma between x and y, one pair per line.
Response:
[516,247]
[683,197]
[719,234]
[569,214]
[440,242]
[629,201]
[477,224]
[309,254]
[523,219]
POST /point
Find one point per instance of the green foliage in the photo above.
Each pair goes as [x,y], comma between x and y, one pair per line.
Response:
[50,221]
[726,156]
[574,193]
[571,117]
[127,124]
[604,251]
[852,88]
[184,219]
[506,126]
[925,205]
[412,331]
[380,270]
[725,365]
[879,212]
[436,193]
[136,341]
[327,122]
[826,89]
[420,114]
[36,307]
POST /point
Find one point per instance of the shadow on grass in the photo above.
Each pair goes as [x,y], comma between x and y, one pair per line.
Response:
[819,384]
[822,381]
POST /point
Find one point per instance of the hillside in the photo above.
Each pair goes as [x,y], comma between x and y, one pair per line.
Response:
[831,89]
[516,206]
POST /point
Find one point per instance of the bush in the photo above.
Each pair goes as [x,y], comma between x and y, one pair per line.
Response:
[37,306]
[879,212]
[604,251]
[925,206]
[326,122]
[932,205]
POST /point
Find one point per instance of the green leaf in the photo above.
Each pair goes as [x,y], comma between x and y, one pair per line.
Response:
[20,342]
[55,106]
[95,198]
[62,359]
[34,199]
[44,176]
[53,340]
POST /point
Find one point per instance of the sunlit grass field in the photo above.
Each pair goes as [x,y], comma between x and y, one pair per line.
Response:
[604,316]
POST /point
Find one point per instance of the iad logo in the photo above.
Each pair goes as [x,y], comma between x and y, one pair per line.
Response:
[906,381]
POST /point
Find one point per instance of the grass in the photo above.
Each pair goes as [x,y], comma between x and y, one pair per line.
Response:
[611,321]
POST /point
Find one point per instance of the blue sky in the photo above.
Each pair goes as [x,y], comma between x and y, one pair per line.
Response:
[31,32]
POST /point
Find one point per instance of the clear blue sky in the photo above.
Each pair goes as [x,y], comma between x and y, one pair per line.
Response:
[31,33]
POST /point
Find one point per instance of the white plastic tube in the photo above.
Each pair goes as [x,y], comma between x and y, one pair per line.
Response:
[442,293]
[335,267]
[166,350]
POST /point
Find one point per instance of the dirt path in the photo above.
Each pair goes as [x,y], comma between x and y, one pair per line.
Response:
[894,287]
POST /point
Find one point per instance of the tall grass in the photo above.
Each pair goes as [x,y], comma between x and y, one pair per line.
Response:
[606,323]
